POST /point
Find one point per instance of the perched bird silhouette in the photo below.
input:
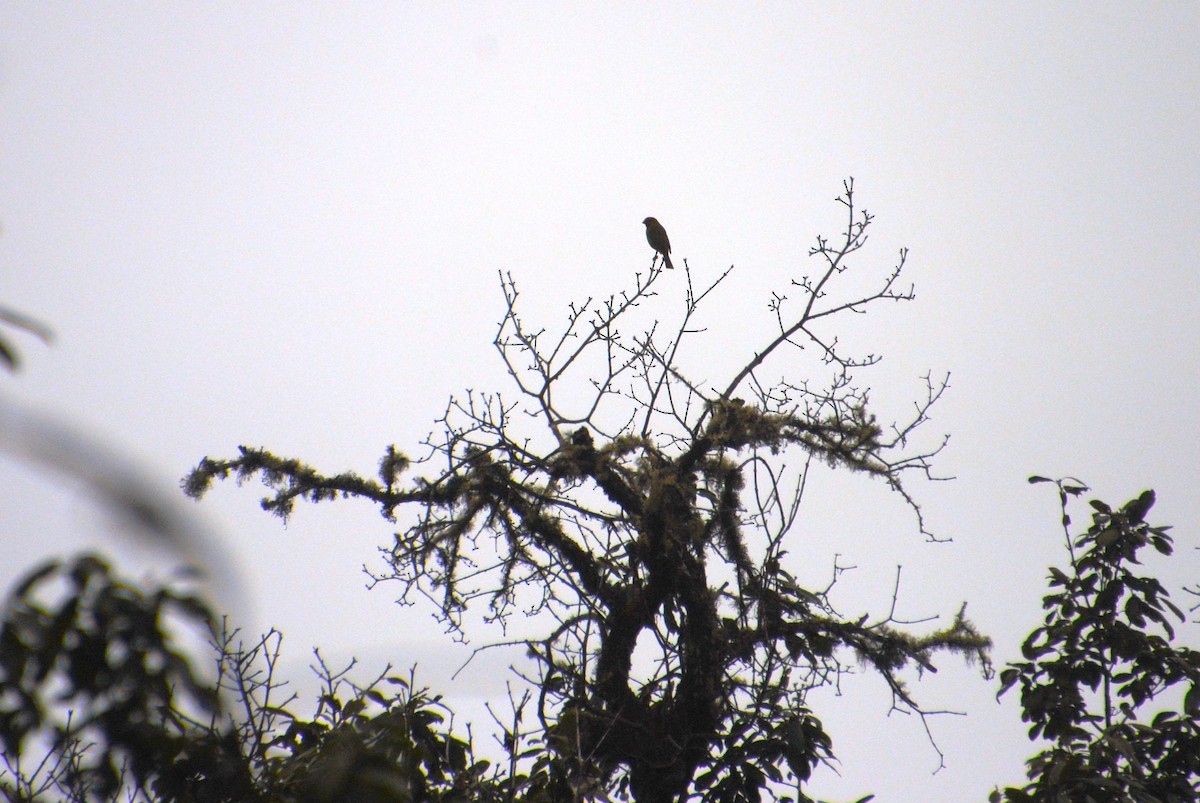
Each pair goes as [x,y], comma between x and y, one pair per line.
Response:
[656,235]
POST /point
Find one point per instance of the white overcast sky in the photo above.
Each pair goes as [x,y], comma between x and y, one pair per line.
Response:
[280,224]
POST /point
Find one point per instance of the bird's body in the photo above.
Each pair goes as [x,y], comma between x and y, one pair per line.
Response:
[656,235]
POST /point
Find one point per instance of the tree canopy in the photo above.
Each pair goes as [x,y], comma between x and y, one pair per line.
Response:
[643,520]
[643,517]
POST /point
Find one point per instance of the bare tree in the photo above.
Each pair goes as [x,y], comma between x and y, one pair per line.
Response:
[642,517]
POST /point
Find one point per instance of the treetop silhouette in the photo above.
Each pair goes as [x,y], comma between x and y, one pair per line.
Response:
[639,519]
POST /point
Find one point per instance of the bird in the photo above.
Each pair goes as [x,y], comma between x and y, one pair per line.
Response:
[656,235]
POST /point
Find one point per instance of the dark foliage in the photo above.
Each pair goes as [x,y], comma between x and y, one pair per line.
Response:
[98,704]
[91,681]
[1097,674]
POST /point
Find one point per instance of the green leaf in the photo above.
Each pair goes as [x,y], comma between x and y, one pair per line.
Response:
[1007,678]
[1107,598]
[1108,536]
[1162,544]
[1123,747]
[1191,700]
[1137,509]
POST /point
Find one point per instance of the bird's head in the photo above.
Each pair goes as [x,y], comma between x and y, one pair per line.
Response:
[648,221]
